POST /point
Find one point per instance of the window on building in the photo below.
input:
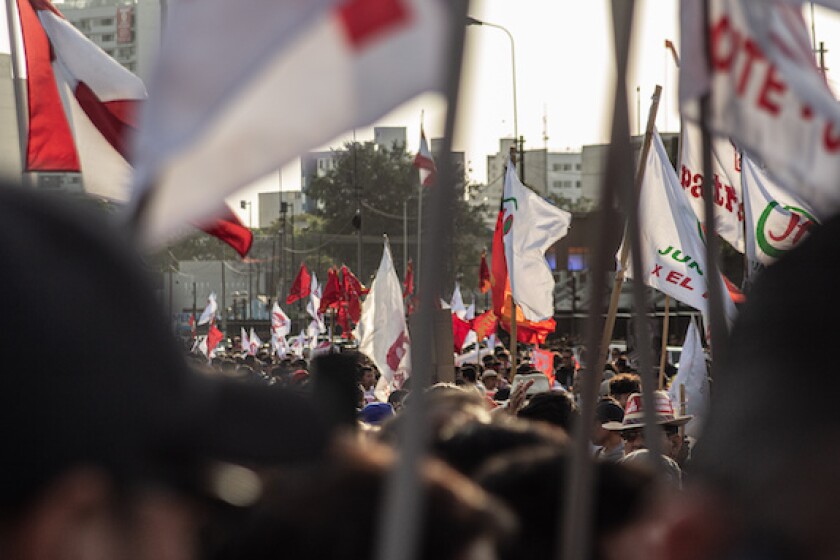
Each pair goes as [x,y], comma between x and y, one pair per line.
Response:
[555,167]
[567,167]
[577,259]
[557,184]
[567,184]
[125,52]
[577,167]
[107,38]
[106,21]
[577,184]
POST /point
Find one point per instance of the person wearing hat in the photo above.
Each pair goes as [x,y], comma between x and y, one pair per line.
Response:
[631,427]
[110,448]
[490,379]
[610,445]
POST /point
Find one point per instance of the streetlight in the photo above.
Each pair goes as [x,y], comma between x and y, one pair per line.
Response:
[474,21]
[249,205]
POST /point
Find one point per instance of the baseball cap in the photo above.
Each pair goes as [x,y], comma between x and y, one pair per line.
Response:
[92,374]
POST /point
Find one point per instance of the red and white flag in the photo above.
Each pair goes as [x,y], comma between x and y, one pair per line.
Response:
[382,331]
[314,304]
[287,74]
[672,249]
[82,113]
[425,162]
[281,326]
[726,181]
[767,92]
[777,220]
[254,343]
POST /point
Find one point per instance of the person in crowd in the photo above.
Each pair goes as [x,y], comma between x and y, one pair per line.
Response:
[367,381]
[557,408]
[631,427]
[469,374]
[333,511]
[610,445]
[564,372]
[490,380]
[623,385]
[113,448]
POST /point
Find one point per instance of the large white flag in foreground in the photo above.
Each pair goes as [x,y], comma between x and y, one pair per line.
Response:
[767,92]
[673,252]
[531,225]
[693,375]
[382,332]
[726,181]
[244,87]
[776,219]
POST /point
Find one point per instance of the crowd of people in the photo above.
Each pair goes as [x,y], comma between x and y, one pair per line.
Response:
[119,447]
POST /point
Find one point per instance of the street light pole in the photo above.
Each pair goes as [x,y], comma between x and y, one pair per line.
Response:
[516,138]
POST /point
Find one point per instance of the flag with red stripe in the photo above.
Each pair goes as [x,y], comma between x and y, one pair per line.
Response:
[425,162]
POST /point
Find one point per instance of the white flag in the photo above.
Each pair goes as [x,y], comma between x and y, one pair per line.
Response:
[767,92]
[692,373]
[726,166]
[209,313]
[244,343]
[531,226]
[254,343]
[673,253]
[776,220]
[281,326]
[382,332]
[457,303]
[287,74]
[314,304]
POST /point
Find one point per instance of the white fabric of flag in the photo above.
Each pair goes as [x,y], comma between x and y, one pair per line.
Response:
[776,219]
[673,252]
[456,304]
[768,94]
[105,170]
[693,374]
[244,342]
[314,304]
[249,84]
[209,313]
[254,343]
[281,326]
[382,331]
[729,211]
[531,226]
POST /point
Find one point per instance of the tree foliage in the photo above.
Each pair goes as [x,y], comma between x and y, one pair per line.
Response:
[383,184]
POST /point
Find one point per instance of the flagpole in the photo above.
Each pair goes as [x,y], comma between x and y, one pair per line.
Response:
[609,326]
[574,536]
[716,318]
[419,219]
[514,347]
[664,347]
[401,515]
[21,99]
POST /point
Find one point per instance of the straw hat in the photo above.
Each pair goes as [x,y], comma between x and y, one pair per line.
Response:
[634,415]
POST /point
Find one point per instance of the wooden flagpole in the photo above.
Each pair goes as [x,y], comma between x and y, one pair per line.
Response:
[609,326]
[664,348]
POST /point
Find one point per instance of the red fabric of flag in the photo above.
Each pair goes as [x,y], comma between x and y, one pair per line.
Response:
[528,332]
[408,283]
[302,286]
[460,330]
[214,337]
[484,283]
[485,324]
[232,231]
[332,291]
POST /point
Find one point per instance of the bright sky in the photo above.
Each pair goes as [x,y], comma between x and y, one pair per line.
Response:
[564,80]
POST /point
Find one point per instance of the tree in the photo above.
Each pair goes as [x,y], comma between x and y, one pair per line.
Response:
[371,187]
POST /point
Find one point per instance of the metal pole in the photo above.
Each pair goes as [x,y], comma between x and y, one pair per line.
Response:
[405,236]
[21,98]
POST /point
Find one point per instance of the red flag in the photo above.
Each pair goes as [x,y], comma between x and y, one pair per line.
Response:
[460,330]
[332,291]
[543,360]
[425,163]
[232,231]
[302,286]
[408,283]
[528,332]
[214,337]
[484,282]
[485,324]
[351,293]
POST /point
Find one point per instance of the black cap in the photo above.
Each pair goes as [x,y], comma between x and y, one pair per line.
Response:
[92,374]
